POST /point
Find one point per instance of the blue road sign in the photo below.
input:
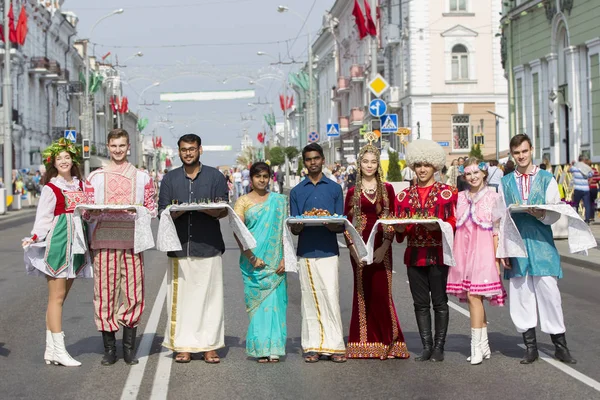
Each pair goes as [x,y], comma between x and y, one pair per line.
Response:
[313,137]
[389,123]
[333,130]
[71,135]
[377,107]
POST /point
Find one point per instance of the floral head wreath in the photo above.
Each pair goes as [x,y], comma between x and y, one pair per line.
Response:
[58,147]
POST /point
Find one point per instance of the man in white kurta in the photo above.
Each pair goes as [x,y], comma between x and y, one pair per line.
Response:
[195,300]
[118,270]
[534,279]
[318,252]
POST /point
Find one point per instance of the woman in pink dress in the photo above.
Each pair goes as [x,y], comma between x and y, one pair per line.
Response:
[477,273]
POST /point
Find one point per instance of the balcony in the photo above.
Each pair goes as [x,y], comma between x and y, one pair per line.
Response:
[343,84]
[76,87]
[357,73]
[53,70]
[39,65]
[63,77]
[394,97]
[344,124]
[357,116]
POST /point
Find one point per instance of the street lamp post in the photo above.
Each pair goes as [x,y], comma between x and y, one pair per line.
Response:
[310,116]
[286,161]
[6,96]
[85,134]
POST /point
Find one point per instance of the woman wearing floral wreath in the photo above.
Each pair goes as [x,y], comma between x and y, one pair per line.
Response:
[476,275]
[374,328]
[62,191]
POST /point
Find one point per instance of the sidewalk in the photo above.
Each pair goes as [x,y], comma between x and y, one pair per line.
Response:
[592,260]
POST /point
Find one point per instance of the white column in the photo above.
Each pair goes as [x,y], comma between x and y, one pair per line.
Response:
[552,59]
[574,99]
[593,48]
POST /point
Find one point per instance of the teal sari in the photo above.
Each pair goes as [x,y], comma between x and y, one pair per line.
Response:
[265,291]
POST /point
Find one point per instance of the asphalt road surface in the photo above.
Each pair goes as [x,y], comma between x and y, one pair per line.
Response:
[23,374]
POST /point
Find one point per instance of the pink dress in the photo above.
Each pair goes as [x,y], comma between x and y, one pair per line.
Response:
[475,271]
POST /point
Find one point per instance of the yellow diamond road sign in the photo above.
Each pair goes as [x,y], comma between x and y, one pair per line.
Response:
[378,85]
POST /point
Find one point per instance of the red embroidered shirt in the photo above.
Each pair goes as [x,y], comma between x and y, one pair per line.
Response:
[439,201]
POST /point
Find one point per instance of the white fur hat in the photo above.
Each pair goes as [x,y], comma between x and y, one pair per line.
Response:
[423,151]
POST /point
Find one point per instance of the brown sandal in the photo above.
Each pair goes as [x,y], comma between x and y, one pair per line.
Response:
[311,358]
[183,357]
[338,358]
[212,359]
[263,360]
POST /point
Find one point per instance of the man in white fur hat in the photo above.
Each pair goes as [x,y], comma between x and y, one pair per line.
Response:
[427,274]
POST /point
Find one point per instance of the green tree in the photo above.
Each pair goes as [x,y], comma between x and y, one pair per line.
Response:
[476,152]
[292,152]
[275,155]
[394,174]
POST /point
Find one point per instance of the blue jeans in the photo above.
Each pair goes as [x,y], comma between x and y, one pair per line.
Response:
[580,195]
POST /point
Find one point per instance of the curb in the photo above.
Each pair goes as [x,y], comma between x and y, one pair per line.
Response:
[577,262]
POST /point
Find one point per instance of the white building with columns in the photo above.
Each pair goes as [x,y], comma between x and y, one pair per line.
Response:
[443,61]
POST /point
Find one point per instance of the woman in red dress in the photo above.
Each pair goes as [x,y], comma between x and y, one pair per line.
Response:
[374,328]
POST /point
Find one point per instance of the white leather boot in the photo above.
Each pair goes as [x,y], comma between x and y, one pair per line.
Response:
[60,352]
[476,354]
[485,345]
[49,353]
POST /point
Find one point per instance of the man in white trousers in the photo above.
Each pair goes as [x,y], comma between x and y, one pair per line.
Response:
[534,279]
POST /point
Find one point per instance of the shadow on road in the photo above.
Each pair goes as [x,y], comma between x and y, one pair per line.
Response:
[4,352]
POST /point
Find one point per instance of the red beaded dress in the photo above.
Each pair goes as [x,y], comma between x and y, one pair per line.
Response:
[374,328]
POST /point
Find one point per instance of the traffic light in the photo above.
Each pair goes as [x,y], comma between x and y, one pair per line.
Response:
[86,149]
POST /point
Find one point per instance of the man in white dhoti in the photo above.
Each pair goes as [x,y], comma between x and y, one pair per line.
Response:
[195,321]
[534,279]
[318,252]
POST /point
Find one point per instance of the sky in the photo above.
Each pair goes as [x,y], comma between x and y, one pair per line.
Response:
[199,45]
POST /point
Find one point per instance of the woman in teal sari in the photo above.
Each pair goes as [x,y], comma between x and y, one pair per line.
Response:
[263,272]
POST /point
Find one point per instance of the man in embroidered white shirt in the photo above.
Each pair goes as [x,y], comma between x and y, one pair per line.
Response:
[117,268]
[534,279]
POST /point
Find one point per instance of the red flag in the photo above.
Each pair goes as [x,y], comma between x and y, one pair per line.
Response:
[159,141]
[360,20]
[290,102]
[22,26]
[260,137]
[105,56]
[11,25]
[113,104]
[371,28]
[124,105]
[281,102]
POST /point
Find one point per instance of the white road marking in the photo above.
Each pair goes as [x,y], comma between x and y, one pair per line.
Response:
[550,360]
[160,387]
[568,370]
[136,373]
[458,308]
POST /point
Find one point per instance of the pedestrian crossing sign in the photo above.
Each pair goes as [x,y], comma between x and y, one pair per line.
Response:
[333,130]
[71,135]
[389,123]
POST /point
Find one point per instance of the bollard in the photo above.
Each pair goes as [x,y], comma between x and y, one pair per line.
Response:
[17,203]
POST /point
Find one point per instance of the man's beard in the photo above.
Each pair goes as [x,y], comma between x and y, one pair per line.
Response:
[194,161]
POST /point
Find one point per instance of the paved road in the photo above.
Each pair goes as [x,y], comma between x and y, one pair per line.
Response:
[24,375]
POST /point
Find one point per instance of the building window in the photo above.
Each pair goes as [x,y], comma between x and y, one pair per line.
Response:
[460,63]
[458,5]
[460,133]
